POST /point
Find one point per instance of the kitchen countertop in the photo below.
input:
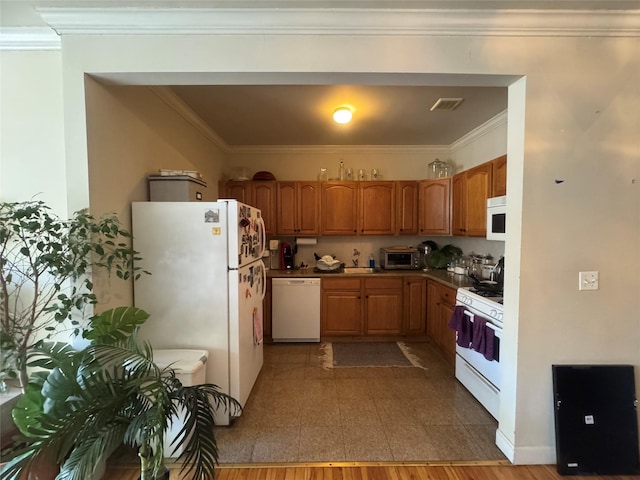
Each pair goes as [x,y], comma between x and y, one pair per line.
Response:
[442,276]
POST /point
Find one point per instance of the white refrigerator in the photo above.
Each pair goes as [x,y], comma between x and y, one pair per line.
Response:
[206,285]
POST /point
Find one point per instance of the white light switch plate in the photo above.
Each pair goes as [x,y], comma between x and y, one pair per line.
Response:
[588,281]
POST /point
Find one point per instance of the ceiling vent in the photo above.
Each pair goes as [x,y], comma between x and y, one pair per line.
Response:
[447,104]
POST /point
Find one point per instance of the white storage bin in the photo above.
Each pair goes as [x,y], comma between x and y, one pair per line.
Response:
[178,188]
[189,366]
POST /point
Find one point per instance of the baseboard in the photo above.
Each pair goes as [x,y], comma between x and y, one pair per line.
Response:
[505,445]
[525,455]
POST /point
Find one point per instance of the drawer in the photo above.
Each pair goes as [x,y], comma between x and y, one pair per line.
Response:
[383,283]
[351,283]
[447,295]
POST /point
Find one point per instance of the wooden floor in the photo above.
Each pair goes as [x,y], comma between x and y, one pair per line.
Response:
[451,471]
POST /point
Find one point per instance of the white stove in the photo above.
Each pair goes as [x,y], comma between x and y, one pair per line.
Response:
[478,367]
[487,304]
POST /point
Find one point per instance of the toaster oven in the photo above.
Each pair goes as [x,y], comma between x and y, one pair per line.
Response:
[399,258]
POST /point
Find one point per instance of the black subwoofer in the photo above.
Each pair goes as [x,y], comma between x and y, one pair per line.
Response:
[596,420]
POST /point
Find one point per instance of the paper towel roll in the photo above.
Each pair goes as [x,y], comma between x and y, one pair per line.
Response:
[306,241]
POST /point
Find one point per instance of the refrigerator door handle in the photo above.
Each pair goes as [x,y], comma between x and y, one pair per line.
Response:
[264,282]
[262,231]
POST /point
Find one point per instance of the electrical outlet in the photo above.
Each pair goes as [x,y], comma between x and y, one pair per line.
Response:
[588,281]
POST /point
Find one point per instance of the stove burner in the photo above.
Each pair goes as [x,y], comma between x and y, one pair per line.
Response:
[491,293]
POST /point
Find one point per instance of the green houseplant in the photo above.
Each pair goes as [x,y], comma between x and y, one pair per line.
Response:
[47,265]
[86,403]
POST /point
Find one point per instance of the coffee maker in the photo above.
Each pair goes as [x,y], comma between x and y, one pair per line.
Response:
[287,261]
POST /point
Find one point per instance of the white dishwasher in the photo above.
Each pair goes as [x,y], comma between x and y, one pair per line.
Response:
[295,314]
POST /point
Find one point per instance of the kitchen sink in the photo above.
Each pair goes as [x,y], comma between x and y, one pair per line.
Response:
[360,270]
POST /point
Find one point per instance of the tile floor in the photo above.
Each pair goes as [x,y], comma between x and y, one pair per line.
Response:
[301,412]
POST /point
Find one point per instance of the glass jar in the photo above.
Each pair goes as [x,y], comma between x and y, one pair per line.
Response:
[447,169]
[434,169]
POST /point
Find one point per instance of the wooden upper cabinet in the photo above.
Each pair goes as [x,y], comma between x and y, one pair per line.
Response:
[407,208]
[238,190]
[377,208]
[478,187]
[459,204]
[434,210]
[339,211]
[499,176]
[263,196]
[471,189]
[298,208]
[287,208]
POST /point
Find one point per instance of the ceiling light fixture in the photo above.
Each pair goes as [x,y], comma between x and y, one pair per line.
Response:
[342,115]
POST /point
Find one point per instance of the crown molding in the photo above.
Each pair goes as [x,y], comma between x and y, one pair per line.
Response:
[342,149]
[487,127]
[182,109]
[29,38]
[341,21]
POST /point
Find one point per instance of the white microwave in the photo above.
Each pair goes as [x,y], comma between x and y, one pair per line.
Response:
[496,218]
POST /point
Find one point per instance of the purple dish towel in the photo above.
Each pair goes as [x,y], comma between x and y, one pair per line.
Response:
[461,324]
[489,336]
[478,342]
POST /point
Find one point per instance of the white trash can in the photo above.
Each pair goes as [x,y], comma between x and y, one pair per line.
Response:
[189,366]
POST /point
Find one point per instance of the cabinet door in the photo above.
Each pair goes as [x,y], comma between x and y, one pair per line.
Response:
[339,208]
[407,208]
[308,208]
[263,196]
[383,305]
[238,190]
[447,340]
[459,204]
[414,298]
[341,306]
[478,185]
[499,176]
[434,212]
[433,322]
[377,208]
[286,201]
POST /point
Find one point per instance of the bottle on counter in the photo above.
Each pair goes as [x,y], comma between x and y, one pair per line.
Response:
[372,261]
[341,171]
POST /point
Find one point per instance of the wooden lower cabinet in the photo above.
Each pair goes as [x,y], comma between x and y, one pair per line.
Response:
[440,302]
[341,306]
[383,305]
[415,305]
[373,306]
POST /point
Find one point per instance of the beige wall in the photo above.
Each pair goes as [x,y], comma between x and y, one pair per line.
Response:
[32,153]
[572,117]
[132,133]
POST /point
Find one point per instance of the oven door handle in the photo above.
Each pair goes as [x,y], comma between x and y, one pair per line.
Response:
[492,326]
